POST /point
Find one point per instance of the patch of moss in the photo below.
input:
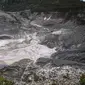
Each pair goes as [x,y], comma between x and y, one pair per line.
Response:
[82,79]
[54,83]
[4,81]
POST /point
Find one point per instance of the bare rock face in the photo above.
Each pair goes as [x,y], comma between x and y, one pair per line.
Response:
[8,25]
[15,71]
[2,64]
[52,72]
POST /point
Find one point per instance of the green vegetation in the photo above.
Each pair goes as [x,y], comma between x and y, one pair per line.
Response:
[4,81]
[38,5]
[82,79]
[54,83]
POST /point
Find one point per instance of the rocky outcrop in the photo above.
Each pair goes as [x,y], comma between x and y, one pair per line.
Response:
[54,72]
[2,64]
[15,71]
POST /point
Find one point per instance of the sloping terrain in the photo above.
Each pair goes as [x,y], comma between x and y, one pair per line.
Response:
[42,47]
[40,5]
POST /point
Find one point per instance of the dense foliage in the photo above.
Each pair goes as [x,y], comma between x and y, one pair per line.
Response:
[82,79]
[3,81]
[12,5]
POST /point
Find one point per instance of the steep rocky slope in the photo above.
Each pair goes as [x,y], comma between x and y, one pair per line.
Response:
[42,48]
[26,72]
